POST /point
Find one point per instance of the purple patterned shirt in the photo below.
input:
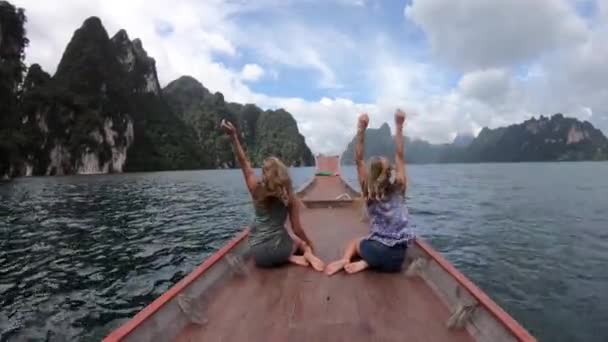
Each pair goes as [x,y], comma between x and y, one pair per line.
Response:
[390,222]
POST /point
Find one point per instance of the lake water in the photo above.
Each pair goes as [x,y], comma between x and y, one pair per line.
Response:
[80,255]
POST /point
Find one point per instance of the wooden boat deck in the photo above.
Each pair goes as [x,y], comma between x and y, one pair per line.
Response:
[326,189]
[227,298]
[294,303]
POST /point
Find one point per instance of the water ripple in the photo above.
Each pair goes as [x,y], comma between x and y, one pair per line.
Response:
[81,255]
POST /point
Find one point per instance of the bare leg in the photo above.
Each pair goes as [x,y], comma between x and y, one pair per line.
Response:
[298,260]
[314,261]
[309,256]
[355,267]
[349,254]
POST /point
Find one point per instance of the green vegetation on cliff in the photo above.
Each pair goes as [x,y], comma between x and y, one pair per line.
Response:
[263,133]
[78,120]
[544,139]
[104,111]
[12,53]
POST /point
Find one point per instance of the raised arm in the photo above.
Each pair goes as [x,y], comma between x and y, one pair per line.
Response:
[400,176]
[359,149]
[248,173]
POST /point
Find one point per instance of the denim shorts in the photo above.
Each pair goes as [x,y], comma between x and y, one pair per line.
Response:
[382,257]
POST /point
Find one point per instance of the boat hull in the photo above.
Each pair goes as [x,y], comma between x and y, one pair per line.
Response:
[227,298]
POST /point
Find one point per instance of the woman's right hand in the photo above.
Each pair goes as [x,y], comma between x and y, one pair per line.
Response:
[363,121]
[228,128]
[399,117]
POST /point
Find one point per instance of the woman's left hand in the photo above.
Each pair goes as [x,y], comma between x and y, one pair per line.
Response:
[399,117]
[228,128]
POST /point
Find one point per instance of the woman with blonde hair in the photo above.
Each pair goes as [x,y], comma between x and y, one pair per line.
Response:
[384,193]
[270,242]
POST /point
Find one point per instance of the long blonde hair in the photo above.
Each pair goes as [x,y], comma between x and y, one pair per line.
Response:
[378,183]
[275,183]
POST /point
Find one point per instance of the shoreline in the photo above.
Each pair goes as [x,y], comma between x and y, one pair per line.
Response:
[83,175]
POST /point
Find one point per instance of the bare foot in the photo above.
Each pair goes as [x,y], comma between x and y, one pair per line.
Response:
[298,260]
[354,267]
[335,266]
[315,262]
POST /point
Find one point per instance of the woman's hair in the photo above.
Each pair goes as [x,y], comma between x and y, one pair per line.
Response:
[378,183]
[275,184]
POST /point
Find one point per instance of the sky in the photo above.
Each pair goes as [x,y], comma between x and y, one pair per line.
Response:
[453,66]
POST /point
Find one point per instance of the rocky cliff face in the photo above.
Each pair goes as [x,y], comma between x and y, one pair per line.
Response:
[136,64]
[104,111]
[543,139]
[163,141]
[263,133]
[78,121]
[12,52]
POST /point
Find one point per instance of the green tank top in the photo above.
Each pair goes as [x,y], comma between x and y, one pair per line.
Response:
[269,224]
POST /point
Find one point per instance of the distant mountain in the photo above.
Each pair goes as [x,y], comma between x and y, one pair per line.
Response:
[379,141]
[544,139]
[263,133]
[101,112]
[463,140]
[104,111]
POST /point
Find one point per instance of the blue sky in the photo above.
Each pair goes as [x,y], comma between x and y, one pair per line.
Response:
[454,66]
[357,22]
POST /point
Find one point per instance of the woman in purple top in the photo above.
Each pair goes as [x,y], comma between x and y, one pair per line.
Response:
[390,228]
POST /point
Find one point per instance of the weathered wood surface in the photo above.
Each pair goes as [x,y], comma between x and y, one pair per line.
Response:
[294,303]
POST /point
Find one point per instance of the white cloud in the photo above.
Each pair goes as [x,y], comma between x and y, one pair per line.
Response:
[491,63]
[296,44]
[252,72]
[489,85]
[476,34]
[519,58]
[328,124]
[200,30]
[197,36]
[353,2]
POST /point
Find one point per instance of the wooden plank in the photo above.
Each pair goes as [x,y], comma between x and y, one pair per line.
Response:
[298,304]
[304,305]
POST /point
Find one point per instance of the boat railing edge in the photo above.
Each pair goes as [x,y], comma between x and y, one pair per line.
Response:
[129,326]
[501,315]
[305,186]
